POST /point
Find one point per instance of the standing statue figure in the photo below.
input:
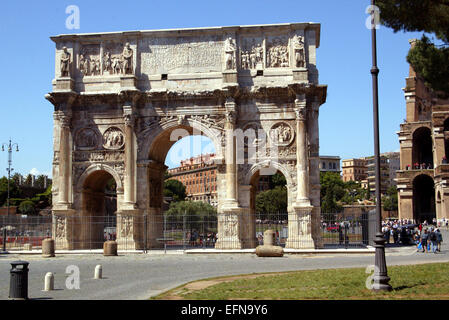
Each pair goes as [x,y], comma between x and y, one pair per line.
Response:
[107,62]
[230,54]
[299,51]
[65,62]
[84,65]
[127,57]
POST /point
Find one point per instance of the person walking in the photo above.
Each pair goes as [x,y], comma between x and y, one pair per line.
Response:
[424,238]
[439,239]
[433,240]
[417,240]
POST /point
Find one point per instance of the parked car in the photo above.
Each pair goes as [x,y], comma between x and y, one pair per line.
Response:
[333,228]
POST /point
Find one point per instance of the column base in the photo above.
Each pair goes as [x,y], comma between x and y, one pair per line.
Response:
[229,229]
[300,228]
[62,227]
[130,235]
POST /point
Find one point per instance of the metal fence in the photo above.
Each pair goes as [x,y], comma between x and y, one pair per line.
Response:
[187,231]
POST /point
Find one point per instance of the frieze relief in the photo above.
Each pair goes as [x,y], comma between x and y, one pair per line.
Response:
[96,156]
[89,60]
[277,52]
[251,53]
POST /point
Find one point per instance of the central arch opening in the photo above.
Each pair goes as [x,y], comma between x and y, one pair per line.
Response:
[423,199]
[184,190]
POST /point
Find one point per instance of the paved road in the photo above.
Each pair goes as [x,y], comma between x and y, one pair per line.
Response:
[140,276]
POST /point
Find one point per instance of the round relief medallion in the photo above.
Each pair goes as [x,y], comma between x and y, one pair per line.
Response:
[113,138]
[86,139]
[281,134]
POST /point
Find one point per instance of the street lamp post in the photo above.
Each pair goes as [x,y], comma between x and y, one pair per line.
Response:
[9,169]
[380,277]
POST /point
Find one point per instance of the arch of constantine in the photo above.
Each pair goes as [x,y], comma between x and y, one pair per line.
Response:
[122,99]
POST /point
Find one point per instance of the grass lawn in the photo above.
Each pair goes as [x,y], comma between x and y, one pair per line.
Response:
[425,281]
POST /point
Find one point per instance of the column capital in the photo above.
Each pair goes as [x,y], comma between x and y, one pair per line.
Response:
[231,110]
[300,113]
[64,118]
[128,115]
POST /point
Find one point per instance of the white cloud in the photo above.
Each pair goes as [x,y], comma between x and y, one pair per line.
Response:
[34,171]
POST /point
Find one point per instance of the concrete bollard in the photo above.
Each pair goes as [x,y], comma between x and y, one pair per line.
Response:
[27,247]
[269,249]
[110,248]
[98,272]
[49,283]
[48,248]
[269,237]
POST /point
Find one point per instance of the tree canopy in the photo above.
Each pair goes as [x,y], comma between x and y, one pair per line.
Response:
[430,60]
[174,189]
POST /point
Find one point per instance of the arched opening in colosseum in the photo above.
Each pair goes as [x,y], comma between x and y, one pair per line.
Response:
[422,148]
[423,199]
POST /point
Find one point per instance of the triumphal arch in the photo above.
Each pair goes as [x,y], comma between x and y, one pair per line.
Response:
[122,99]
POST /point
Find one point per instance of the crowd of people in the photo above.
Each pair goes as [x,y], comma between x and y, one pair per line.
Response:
[426,236]
[197,239]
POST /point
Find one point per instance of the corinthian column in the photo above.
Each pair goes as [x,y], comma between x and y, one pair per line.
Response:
[65,156]
[302,195]
[129,177]
[300,218]
[231,165]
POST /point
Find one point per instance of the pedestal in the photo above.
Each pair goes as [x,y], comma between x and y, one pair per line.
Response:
[301,74]
[229,225]
[300,228]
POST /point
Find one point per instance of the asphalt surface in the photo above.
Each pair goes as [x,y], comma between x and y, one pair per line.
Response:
[140,276]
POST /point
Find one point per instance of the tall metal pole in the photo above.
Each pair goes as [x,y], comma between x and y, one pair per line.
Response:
[9,169]
[380,277]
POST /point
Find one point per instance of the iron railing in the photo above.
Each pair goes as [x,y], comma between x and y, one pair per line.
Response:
[184,232]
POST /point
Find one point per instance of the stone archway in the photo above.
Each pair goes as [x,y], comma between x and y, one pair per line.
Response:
[156,143]
[422,152]
[423,199]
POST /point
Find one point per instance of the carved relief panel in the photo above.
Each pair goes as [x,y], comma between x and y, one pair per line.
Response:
[277,52]
[89,60]
[251,53]
[281,134]
[86,139]
[113,138]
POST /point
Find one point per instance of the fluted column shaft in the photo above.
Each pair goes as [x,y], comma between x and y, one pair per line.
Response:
[129,192]
[64,158]
[302,195]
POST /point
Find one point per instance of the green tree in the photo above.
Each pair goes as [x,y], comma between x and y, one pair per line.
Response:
[272,204]
[191,214]
[27,207]
[174,189]
[428,59]
[390,200]
[277,180]
[13,190]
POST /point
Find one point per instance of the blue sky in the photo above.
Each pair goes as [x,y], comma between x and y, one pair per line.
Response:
[344,62]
